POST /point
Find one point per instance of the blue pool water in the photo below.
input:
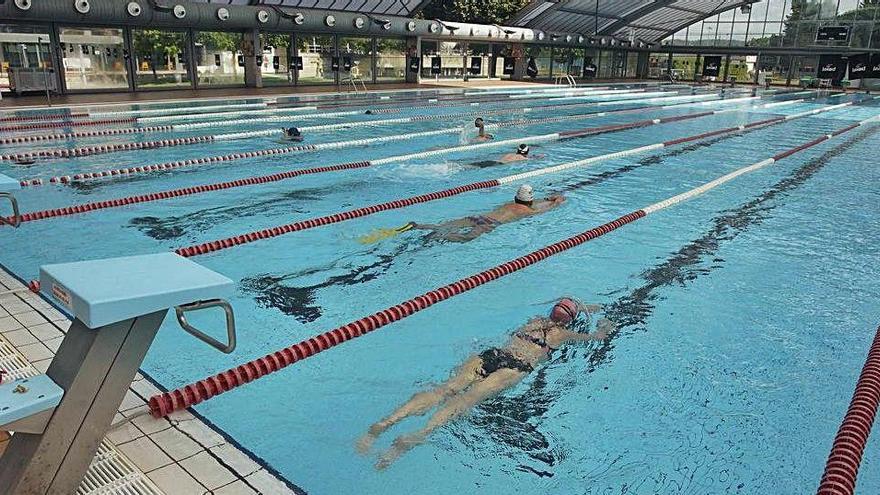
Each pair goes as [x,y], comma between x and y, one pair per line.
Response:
[745,315]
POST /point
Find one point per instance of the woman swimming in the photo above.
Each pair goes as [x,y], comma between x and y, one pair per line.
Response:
[487,374]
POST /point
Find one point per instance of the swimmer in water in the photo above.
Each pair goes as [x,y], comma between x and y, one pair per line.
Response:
[481,127]
[292,134]
[469,228]
[490,373]
[522,153]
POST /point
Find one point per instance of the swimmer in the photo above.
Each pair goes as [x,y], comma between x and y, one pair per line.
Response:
[522,153]
[469,228]
[481,126]
[292,134]
[490,373]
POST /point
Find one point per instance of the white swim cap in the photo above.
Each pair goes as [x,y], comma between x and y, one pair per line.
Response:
[525,193]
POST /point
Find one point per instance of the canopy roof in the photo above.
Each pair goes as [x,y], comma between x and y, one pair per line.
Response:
[647,20]
[387,7]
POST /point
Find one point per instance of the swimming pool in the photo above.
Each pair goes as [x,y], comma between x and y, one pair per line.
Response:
[743,315]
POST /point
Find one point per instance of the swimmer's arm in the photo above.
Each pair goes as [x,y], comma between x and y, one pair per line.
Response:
[549,203]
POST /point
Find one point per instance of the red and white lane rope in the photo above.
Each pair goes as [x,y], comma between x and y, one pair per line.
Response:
[85,134]
[165,403]
[79,123]
[105,148]
[842,467]
[212,246]
[188,191]
[177,110]
[38,117]
[306,148]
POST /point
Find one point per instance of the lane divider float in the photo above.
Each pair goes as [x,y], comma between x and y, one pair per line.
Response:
[165,403]
[842,467]
[54,125]
[306,148]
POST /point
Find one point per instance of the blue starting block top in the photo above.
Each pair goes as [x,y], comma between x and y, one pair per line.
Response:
[102,292]
[22,398]
[8,184]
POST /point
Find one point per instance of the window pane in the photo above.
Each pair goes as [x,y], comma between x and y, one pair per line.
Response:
[360,50]
[778,10]
[217,59]
[93,58]
[391,59]
[24,47]
[542,56]
[317,53]
[276,68]
[160,58]
[484,52]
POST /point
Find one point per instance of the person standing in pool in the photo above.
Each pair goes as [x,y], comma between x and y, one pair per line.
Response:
[489,373]
[481,131]
[291,134]
[469,228]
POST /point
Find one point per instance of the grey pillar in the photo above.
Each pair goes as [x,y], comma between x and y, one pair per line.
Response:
[251,48]
[726,68]
[518,53]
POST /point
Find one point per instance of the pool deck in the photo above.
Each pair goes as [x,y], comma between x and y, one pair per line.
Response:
[181,455]
[37,101]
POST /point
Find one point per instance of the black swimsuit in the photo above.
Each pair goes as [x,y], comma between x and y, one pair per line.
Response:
[495,359]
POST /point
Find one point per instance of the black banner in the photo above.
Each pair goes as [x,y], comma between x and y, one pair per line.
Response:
[832,33]
[296,63]
[875,65]
[334,64]
[532,68]
[831,67]
[509,66]
[711,66]
[241,60]
[276,62]
[259,59]
[436,66]
[476,65]
[346,64]
[415,63]
[590,69]
[860,66]
[217,62]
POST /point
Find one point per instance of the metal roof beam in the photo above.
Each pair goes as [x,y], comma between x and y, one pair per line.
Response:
[586,12]
[634,15]
[704,17]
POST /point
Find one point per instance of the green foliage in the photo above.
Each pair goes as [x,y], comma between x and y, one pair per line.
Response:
[477,11]
[217,41]
[155,42]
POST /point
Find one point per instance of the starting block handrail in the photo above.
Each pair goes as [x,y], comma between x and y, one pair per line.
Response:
[15,219]
[225,348]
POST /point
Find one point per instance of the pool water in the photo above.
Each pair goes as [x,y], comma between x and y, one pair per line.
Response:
[744,315]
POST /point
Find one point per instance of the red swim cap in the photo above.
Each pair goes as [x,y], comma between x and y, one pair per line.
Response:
[565,311]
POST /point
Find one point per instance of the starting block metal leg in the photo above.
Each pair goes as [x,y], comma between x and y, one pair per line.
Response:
[95,368]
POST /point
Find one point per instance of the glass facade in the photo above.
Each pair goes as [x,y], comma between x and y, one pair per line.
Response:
[22,47]
[390,60]
[160,59]
[785,23]
[317,52]
[93,58]
[219,61]
[275,69]
[359,52]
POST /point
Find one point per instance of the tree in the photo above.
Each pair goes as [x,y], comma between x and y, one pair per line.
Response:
[152,44]
[476,11]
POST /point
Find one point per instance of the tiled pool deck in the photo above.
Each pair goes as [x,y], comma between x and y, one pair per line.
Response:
[176,456]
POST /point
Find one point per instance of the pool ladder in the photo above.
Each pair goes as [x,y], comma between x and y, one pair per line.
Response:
[567,79]
[353,80]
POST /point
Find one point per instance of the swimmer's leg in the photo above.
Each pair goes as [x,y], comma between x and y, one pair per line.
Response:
[454,407]
[470,235]
[422,402]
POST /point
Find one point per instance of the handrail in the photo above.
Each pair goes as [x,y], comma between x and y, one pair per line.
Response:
[225,348]
[15,219]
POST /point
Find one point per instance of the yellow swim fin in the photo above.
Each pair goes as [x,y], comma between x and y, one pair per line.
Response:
[381,234]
